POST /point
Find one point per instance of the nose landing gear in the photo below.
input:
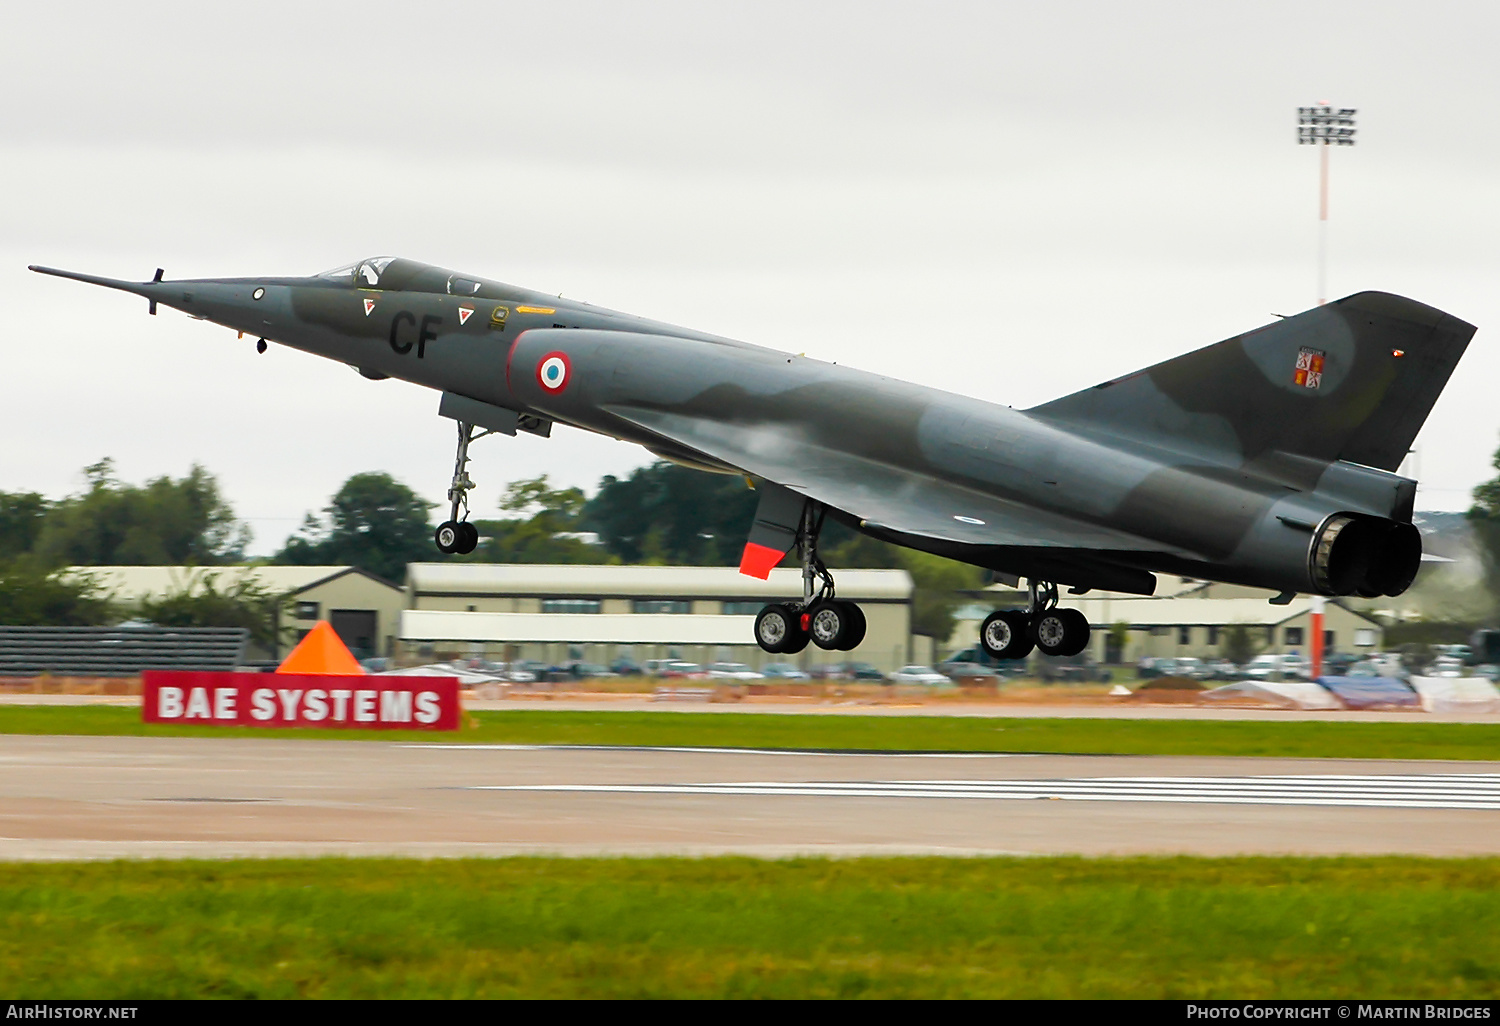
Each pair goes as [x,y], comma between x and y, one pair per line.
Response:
[456,534]
[833,624]
[1012,633]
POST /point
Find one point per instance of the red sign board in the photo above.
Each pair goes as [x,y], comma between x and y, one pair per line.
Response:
[300,700]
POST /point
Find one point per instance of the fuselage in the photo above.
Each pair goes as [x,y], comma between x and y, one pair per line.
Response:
[1144,503]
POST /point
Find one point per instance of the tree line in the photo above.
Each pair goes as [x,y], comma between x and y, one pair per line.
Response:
[660,514]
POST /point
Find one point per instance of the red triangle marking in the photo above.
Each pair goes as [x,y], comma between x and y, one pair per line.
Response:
[464,313]
[369,305]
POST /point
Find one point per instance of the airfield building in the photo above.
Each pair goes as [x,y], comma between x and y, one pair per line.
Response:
[699,614]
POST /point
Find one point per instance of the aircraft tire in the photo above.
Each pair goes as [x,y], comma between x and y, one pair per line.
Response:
[1006,634]
[447,537]
[777,626]
[829,623]
[855,632]
[1077,632]
[1060,632]
[468,537]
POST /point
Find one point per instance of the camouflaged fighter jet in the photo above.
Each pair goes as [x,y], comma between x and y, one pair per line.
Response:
[1265,460]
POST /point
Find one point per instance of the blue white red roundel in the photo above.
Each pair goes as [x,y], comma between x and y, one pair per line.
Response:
[553,371]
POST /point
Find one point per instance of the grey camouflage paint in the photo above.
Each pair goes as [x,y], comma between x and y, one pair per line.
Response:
[1223,463]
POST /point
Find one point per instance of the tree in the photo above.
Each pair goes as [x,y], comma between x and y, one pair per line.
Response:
[1238,644]
[373,522]
[1484,516]
[166,521]
[199,602]
[536,533]
[21,518]
[666,513]
[35,595]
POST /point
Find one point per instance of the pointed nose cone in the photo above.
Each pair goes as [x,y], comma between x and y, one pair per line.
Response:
[151,291]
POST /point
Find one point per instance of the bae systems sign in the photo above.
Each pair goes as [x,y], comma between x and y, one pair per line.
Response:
[300,700]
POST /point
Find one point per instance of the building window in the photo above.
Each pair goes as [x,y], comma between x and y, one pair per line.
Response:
[570,605]
[1364,637]
[1184,635]
[1213,635]
[1294,635]
[308,610]
[1160,632]
[660,606]
[743,608]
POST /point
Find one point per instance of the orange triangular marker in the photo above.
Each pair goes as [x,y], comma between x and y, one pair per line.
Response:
[322,651]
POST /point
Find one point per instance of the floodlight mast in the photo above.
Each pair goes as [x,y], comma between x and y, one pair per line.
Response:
[1330,126]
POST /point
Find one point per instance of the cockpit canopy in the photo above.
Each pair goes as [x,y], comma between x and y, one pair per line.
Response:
[365,274]
[377,273]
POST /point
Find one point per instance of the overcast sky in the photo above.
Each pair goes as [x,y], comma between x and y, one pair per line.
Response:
[1013,201]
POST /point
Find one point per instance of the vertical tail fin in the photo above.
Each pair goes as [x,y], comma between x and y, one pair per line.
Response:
[1353,380]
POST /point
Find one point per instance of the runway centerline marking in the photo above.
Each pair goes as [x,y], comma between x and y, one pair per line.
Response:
[725,751]
[1409,791]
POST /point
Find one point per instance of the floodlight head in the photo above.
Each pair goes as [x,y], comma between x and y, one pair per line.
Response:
[1327,125]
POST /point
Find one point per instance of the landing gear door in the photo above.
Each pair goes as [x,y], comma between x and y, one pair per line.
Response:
[778,516]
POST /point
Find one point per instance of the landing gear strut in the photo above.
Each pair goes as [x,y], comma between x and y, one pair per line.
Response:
[831,623]
[456,534]
[1012,633]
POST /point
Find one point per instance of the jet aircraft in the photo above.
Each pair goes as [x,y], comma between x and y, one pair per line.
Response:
[1268,459]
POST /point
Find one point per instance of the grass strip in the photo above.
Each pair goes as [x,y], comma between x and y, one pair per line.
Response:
[731,927]
[1286,739]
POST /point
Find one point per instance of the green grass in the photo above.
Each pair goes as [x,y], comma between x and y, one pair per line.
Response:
[1286,738]
[915,927]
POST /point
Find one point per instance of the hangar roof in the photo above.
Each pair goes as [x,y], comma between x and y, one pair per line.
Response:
[134,583]
[630,581]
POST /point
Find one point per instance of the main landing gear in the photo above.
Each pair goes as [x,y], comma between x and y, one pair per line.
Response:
[1012,633]
[830,623]
[456,534]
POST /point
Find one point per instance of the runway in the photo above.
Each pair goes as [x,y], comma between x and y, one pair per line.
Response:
[108,797]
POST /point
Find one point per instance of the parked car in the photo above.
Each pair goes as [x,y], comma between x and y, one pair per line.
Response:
[918,675]
[783,671]
[733,671]
[1190,667]
[1151,667]
[1075,669]
[1273,666]
[627,668]
[1223,669]
[676,669]
[976,662]
[847,671]
[1446,666]
[517,673]
[589,671]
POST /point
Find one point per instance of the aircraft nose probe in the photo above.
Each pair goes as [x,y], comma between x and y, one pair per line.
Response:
[150,291]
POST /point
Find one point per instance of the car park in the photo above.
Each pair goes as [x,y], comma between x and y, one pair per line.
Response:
[783,671]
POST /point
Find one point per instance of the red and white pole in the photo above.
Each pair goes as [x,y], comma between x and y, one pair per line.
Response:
[1315,646]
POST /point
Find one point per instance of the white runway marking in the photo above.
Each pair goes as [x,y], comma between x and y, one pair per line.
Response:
[1412,791]
[726,751]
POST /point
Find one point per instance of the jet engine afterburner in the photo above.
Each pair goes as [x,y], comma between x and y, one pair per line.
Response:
[1355,554]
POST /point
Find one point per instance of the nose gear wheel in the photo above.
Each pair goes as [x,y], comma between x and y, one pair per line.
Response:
[456,534]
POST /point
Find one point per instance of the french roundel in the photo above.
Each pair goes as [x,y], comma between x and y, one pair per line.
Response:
[552,372]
